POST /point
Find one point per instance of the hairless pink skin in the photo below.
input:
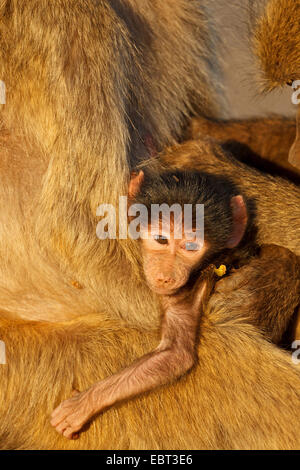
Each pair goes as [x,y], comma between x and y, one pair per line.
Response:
[173,357]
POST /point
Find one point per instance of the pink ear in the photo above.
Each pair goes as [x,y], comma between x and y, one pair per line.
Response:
[240,218]
[135,184]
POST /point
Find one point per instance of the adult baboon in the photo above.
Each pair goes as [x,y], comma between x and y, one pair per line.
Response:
[276,33]
[92,87]
[275,40]
[276,43]
[88,95]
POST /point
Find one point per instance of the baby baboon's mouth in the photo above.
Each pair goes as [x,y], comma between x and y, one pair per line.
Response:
[164,291]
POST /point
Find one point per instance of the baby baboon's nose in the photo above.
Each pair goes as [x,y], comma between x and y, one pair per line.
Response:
[165,280]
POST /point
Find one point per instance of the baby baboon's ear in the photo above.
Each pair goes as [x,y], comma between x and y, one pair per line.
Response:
[135,184]
[294,155]
[240,219]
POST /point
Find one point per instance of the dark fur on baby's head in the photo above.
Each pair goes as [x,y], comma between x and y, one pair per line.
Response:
[192,187]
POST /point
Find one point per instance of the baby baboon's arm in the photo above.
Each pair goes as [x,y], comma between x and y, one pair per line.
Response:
[174,356]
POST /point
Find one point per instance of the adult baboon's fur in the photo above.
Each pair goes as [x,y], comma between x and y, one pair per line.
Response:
[91,86]
[261,142]
[276,201]
[276,42]
[243,394]
[275,38]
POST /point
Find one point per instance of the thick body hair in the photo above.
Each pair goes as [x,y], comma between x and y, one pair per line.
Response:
[274,38]
[276,34]
[276,200]
[263,142]
[214,414]
[88,94]
[84,90]
[276,44]
[269,285]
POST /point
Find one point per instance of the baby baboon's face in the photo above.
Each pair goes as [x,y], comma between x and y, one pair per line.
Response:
[168,261]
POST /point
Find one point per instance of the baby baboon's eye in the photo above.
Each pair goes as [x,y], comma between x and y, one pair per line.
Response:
[161,239]
[290,82]
[191,246]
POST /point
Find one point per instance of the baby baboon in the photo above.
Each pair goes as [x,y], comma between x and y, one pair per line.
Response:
[174,254]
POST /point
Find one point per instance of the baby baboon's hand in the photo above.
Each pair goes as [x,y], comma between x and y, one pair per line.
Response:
[71,415]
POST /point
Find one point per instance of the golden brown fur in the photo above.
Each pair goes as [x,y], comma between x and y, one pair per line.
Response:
[244,394]
[276,201]
[253,141]
[275,37]
[268,287]
[45,361]
[276,43]
[87,83]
